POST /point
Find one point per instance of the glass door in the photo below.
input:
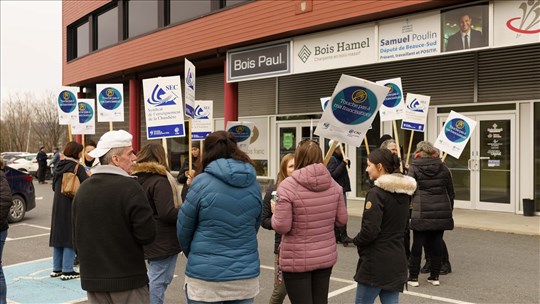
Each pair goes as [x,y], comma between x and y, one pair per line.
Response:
[291,133]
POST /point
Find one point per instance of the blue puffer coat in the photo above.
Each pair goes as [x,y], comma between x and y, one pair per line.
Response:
[218,222]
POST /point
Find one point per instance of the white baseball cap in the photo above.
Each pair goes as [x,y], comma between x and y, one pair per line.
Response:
[109,140]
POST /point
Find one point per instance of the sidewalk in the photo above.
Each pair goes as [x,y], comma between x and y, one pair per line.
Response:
[482,220]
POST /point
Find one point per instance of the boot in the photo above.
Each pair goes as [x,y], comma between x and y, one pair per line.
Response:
[446,268]
[414,270]
[427,266]
[435,269]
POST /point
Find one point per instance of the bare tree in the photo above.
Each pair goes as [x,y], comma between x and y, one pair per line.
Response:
[17,121]
[45,123]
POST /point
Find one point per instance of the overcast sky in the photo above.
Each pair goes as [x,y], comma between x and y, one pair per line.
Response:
[31,46]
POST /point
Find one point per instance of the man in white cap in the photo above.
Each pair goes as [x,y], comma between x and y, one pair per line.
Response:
[112,220]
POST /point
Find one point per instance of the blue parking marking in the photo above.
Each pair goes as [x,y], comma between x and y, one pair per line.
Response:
[29,282]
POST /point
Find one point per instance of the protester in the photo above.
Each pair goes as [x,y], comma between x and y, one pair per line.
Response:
[382,263]
[112,221]
[42,165]
[61,233]
[338,167]
[56,157]
[184,176]
[5,206]
[89,162]
[162,192]
[309,204]
[218,223]
[286,168]
[432,205]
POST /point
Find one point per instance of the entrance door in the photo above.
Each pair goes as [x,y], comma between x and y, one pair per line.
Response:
[484,175]
[291,133]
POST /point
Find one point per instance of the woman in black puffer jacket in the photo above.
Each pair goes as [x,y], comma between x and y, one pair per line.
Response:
[432,205]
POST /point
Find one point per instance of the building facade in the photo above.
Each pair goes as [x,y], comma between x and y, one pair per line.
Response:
[270,62]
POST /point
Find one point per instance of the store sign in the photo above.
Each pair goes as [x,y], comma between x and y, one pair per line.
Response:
[411,37]
[344,47]
[259,62]
[516,22]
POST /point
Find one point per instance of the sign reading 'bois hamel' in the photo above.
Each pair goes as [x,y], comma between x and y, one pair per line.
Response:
[259,62]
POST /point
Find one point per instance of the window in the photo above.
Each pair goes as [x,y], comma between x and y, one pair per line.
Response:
[537,155]
[142,17]
[186,10]
[234,2]
[83,40]
[107,28]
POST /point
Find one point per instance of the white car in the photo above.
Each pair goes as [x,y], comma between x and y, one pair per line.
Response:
[28,163]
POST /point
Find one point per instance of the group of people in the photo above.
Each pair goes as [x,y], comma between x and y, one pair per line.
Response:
[127,223]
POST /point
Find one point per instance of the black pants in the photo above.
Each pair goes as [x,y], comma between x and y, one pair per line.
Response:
[41,172]
[431,240]
[308,287]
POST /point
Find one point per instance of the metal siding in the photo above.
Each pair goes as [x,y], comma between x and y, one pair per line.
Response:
[257,97]
[211,87]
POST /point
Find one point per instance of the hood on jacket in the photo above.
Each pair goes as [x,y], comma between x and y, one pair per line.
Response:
[314,177]
[397,183]
[149,167]
[429,166]
[65,165]
[233,172]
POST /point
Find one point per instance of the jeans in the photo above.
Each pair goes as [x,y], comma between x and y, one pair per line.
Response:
[63,258]
[308,287]
[367,294]
[160,274]
[3,286]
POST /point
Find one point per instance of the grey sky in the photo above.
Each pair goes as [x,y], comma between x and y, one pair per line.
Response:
[31,46]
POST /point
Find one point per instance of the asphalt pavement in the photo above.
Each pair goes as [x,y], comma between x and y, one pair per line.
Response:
[488,266]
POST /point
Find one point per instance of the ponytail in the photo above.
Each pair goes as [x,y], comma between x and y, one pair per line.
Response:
[389,161]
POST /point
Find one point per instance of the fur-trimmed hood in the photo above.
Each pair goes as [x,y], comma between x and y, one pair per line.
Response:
[397,183]
[149,167]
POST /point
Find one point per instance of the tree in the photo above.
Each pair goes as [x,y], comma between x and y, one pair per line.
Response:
[45,125]
[17,121]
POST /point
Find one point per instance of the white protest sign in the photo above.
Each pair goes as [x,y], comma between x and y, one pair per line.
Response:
[189,86]
[203,122]
[242,131]
[351,110]
[163,107]
[324,102]
[416,107]
[110,102]
[87,117]
[455,134]
[393,105]
[67,106]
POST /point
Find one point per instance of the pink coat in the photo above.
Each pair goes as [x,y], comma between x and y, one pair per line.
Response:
[309,203]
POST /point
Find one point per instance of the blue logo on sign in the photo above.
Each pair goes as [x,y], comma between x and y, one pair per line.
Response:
[416,106]
[110,98]
[457,130]
[241,133]
[354,105]
[85,112]
[158,97]
[67,101]
[394,96]
[201,113]
[190,82]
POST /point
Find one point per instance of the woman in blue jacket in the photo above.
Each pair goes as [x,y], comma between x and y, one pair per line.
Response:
[218,223]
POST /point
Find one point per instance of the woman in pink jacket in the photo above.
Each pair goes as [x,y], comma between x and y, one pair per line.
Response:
[309,204]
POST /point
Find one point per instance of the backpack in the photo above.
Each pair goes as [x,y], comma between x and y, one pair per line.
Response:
[70,183]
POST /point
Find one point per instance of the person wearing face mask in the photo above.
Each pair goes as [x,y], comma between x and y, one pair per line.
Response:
[382,264]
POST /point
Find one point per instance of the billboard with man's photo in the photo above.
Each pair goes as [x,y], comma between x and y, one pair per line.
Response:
[465,27]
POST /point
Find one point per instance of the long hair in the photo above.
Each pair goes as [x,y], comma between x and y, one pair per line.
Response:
[307,153]
[389,161]
[283,168]
[221,144]
[153,152]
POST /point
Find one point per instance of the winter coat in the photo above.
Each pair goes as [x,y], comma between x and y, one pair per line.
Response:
[153,179]
[338,170]
[382,261]
[219,220]
[267,216]
[61,232]
[309,204]
[433,201]
[5,201]
[41,157]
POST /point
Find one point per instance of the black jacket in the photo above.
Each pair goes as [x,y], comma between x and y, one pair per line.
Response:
[112,221]
[267,216]
[61,233]
[5,201]
[382,261]
[41,158]
[153,179]
[433,200]
[455,42]
[338,170]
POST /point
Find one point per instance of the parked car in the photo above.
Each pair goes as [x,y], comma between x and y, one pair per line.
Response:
[23,192]
[27,162]
[7,157]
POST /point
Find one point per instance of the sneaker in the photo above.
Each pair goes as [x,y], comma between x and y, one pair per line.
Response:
[413,282]
[56,274]
[434,281]
[69,275]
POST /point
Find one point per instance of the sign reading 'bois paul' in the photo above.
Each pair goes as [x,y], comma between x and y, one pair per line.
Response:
[259,62]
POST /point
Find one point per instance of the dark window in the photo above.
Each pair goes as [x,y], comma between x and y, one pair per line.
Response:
[142,17]
[186,10]
[107,28]
[83,39]
[537,155]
